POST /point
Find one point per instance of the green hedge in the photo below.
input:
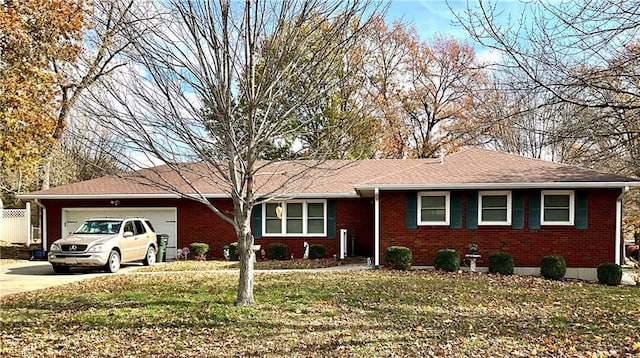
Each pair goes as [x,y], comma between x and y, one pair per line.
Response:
[553,267]
[317,251]
[199,250]
[610,274]
[233,252]
[447,260]
[398,258]
[277,252]
[501,262]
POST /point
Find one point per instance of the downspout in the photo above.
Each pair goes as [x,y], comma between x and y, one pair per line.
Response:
[618,247]
[43,221]
[376,228]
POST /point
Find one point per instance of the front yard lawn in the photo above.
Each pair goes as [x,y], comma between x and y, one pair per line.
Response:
[348,313]
[191,265]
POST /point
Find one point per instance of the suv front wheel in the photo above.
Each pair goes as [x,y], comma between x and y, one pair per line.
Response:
[113,263]
[150,259]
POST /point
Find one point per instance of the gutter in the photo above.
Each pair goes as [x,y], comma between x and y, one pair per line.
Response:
[349,195]
[480,186]
[96,196]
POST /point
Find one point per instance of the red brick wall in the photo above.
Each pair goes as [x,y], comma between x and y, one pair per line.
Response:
[580,248]
[197,223]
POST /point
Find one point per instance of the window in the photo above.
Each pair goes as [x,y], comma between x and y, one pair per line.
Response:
[295,218]
[494,208]
[139,227]
[315,218]
[433,208]
[273,222]
[557,207]
[128,226]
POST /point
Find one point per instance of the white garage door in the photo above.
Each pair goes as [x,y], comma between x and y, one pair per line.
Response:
[162,219]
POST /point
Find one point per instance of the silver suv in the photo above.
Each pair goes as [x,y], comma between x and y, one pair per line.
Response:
[105,242]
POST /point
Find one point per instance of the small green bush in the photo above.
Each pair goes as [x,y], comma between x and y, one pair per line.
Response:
[447,260]
[553,267]
[501,262]
[233,252]
[397,258]
[317,251]
[610,274]
[199,250]
[277,251]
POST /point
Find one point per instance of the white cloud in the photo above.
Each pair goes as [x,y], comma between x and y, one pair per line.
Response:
[489,57]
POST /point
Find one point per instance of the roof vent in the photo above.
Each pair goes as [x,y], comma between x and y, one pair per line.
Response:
[441,156]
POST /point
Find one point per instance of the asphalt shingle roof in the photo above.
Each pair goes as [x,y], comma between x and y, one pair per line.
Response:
[475,167]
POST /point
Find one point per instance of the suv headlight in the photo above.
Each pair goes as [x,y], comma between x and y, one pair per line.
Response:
[55,247]
[96,248]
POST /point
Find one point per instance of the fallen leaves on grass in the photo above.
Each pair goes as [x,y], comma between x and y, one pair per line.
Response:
[295,264]
[353,313]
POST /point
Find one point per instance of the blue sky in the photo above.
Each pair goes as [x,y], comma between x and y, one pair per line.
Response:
[434,16]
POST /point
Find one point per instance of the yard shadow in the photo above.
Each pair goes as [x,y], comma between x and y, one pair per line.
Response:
[45,269]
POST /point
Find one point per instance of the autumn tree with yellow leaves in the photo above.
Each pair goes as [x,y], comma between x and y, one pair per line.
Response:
[424,91]
[33,33]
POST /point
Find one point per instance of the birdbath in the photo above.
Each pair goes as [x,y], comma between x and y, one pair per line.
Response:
[473,257]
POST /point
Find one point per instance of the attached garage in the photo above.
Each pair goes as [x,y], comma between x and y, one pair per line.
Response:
[164,220]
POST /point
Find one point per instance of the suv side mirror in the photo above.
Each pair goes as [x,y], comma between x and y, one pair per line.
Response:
[127,234]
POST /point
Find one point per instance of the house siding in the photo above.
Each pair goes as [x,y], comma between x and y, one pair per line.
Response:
[580,247]
[196,223]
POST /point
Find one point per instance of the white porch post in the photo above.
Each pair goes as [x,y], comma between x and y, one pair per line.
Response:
[43,225]
[377,228]
[28,225]
[43,230]
[618,247]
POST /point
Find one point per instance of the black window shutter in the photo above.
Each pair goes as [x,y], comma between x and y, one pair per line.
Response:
[411,211]
[517,210]
[256,214]
[456,210]
[472,210]
[331,219]
[582,210]
[534,209]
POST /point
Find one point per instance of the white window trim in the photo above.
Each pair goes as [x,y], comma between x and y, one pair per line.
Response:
[571,194]
[494,193]
[305,218]
[447,207]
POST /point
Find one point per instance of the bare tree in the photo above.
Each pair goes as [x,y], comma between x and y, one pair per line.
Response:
[585,56]
[584,59]
[104,41]
[201,88]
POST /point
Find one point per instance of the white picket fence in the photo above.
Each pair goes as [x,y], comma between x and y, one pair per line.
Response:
[15,226]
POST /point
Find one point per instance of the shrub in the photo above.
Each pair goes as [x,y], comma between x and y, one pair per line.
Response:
[553,267]
[199,250]
[277,251]
[610,274]
[447,260]
[501,262]
[397,258]
[233,252]
[317,251]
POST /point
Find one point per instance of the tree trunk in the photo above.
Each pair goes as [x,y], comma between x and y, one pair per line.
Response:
[46,174]
[245,282]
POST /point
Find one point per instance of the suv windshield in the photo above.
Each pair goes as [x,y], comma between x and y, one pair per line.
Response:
[99,227]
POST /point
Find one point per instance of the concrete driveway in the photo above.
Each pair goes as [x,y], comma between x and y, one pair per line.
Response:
[22,276]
